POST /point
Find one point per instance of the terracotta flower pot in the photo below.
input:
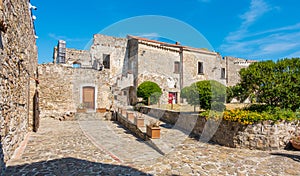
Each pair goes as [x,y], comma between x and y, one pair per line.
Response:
[130,116]
[139,122]
[153,132]
[101,110]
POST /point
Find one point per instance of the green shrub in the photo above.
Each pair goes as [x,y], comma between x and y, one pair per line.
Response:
[203,93]
[259,108]
[217,106]
[149,89]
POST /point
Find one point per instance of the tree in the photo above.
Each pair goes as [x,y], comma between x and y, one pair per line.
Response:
[273,83]
[235,92]
[205,93]
[148,90]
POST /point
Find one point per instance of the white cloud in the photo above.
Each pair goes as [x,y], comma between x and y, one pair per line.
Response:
[60,37]
[281,29]
[205,1]
[293,55]
[150,35]
[257,9]
[269,43]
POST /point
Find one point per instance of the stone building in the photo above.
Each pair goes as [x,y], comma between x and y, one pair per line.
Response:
[115,67]
[233,66]
[18,76]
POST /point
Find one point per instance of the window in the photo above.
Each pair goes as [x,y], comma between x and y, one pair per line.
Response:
[106,61]
[222,73]
[76,65]
[200,67]
[176,67]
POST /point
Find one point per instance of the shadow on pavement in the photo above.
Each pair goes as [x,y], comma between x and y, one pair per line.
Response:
[293,157]
[71,166]
[2,163]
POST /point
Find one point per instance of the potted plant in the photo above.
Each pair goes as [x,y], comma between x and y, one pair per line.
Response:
[81,108]
[139,120]
[295,141]
[153,130]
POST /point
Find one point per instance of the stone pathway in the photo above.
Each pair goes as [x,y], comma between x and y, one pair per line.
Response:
[119,142]
[79,148]
[61,148]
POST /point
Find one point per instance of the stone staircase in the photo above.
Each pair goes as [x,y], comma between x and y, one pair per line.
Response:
[122,84]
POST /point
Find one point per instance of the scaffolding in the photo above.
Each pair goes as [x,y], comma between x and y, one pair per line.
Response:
[61,52]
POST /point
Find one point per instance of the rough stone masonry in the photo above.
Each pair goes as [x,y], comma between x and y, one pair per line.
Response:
[18,75]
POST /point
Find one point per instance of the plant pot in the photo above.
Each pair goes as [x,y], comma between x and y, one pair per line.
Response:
[139,122]
[123,112]
[81,110]
[153,132]
[101,110]
[130,116]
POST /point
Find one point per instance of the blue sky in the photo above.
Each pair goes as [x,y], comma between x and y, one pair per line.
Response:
[250,29]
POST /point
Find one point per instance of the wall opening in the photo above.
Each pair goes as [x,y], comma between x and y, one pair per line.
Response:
[200,67]
[76,65]
[106,61]
[223,75]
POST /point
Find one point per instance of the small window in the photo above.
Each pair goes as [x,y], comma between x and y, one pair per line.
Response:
[223,73]
[76,65]
[200,67]
[106,61]
[176,67]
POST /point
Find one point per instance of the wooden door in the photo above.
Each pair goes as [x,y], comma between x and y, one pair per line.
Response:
[88,97]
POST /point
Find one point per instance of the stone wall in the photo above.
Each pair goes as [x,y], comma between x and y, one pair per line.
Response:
[61,88]
[233,67]
[212,64]
[18,72]
[130,126]
[81,57]
[262,136]
[117,50]
[156,64]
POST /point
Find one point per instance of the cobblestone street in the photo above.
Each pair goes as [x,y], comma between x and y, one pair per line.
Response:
[74,148]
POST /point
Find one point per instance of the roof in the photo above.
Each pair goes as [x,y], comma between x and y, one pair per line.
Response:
[187,48]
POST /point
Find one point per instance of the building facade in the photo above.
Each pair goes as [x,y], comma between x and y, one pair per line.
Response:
[128,62]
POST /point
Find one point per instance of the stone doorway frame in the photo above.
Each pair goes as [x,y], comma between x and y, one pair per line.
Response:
[95,95]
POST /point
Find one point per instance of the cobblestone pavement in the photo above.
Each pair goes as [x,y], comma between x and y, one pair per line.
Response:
[66,148]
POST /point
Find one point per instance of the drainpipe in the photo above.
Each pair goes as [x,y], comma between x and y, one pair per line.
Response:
[181,71]
[226,71]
